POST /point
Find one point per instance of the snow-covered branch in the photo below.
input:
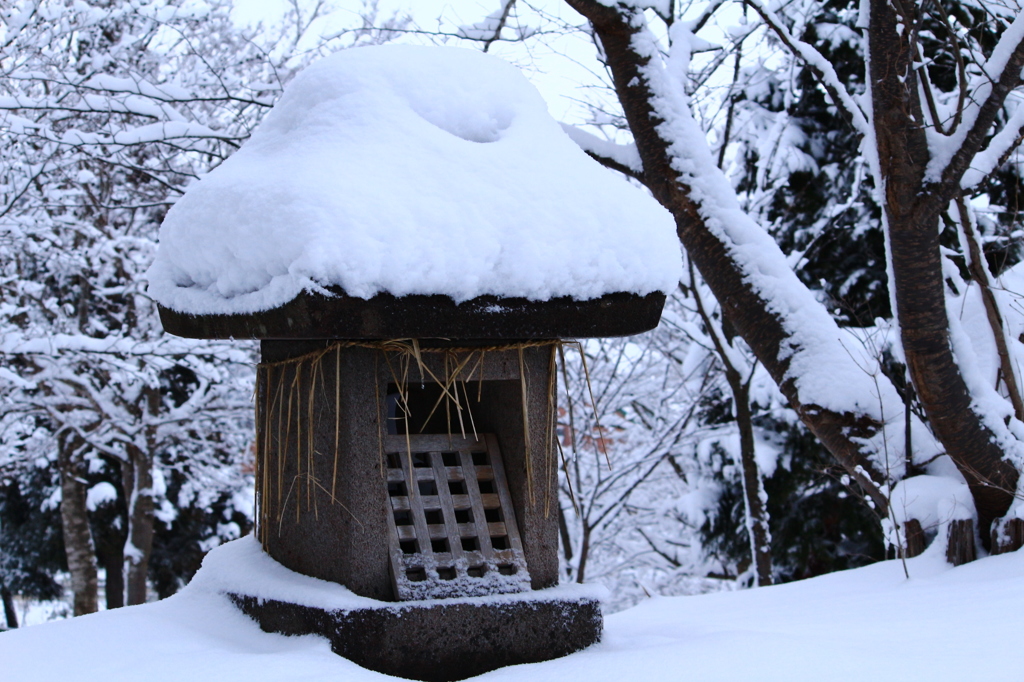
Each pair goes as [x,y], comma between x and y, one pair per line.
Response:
[623,158]
[987,94]
[823,70]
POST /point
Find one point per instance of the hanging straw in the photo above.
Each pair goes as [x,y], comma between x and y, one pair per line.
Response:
[461,364]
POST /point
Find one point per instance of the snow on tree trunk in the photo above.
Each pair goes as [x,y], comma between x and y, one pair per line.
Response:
[138,476]
[789,332]
[755,497]
[964,414]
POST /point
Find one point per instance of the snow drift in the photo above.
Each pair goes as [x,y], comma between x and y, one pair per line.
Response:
[870,623]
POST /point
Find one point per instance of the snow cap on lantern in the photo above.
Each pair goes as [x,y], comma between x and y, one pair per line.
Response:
[409,170]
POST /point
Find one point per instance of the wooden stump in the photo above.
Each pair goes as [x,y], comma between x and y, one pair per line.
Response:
[1007,535]
[913,538]
[960,542]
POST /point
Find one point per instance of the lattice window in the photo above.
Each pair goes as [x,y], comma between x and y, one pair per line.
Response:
[452,527]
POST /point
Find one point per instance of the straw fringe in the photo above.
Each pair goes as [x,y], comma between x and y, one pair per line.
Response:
[280,415]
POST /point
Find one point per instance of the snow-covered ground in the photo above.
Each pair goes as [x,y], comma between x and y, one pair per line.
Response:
[866,624]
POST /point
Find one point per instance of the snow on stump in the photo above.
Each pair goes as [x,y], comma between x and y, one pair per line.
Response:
[412,237]
[934,506]
[1007,534]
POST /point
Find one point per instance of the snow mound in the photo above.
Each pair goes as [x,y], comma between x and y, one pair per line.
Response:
[409,170]
[242,567]
[932,500]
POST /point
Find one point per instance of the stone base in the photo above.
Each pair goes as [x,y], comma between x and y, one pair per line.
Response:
[437,641]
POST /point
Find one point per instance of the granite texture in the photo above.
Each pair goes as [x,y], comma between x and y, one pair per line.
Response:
[438,642]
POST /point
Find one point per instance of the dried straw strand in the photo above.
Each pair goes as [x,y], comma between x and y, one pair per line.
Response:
[549,430]
[568,479]
[456,361]
[597,419]
[381,421]
[526,429]
[411,346]
[337,419]
[568,399]
[309,434]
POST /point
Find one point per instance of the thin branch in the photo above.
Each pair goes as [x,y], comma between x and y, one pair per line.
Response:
[819,66]
[501,24]
[961,68]
[1007,80]
[979,271]
[608,162]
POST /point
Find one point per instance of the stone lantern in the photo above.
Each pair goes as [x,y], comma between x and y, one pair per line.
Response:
[405,418]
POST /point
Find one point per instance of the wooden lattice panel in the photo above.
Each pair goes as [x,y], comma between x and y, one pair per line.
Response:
[452,527]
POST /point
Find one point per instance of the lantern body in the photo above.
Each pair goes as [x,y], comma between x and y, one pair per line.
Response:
[327,439]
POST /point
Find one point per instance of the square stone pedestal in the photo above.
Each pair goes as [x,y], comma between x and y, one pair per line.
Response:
[436,639]
[441,640]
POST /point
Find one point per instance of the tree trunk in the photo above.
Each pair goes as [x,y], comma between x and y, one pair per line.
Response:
[137,479]
[751,314]
[78,543]
[9,613]
[113,567]
[755,499]
[563,531]
[137,474]
[912,215]
[581,570]
[753,489]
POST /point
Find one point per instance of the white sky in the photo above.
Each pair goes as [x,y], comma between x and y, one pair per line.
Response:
[559,66]
[563,68]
